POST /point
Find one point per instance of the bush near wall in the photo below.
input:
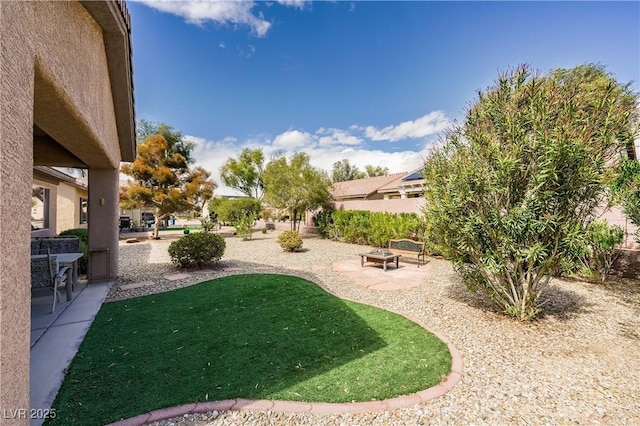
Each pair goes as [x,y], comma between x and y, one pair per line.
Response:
[83,235]
[369,228]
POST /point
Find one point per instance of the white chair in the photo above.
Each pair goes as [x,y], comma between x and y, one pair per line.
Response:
[46,273]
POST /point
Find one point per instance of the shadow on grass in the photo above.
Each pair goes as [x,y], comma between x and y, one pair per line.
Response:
[243,336]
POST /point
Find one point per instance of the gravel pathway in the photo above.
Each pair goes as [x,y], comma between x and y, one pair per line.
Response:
[580,364]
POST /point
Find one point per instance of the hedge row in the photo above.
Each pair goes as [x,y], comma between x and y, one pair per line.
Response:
[369,228]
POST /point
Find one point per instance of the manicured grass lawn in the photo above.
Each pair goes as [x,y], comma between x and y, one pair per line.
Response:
[246,336]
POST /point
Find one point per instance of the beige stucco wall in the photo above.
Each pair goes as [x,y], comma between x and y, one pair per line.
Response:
[73,93]
[54,75]
[16,144]
[407,205]
[68,207]
[615,216]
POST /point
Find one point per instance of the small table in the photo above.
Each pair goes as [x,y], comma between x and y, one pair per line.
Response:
[380,257]
[70,259]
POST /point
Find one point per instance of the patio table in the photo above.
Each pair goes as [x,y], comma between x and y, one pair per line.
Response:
[70,259]
[380,257]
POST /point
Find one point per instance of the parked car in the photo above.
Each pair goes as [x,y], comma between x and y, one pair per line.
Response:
[147,219]
[125,222]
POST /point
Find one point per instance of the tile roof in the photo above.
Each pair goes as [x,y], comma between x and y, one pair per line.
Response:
[362,188]
[395,184]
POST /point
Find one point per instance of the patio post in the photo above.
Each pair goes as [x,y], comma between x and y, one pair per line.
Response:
[103,224]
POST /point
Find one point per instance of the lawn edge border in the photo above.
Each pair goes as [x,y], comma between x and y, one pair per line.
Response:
[404,401]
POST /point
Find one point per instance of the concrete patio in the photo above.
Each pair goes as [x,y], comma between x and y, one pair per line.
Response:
[55,338]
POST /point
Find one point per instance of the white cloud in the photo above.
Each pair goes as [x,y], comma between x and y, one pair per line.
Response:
[219,11]
[238,12]
[222,45]
[298,4]
[293,139]
[336,137]
[325,146]
[429,124]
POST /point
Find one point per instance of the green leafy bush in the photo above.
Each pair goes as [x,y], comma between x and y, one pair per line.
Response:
[371,228]
[603,240]
[626,187]
[244,226]
[511,188]
[83,235]
[323,221]
[290,241]
[197,249]
[233,211]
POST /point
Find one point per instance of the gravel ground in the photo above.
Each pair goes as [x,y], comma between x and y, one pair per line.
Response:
[579,364]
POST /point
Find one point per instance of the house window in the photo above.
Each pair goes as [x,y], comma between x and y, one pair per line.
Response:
[83,210]
[39,207]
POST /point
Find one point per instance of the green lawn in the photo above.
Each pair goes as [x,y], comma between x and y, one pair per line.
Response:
[245,336]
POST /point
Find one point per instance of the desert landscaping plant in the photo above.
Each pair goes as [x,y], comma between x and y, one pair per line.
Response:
[244,226]
[161,176]
[293,185]
[197,249]
[290,241]
[366,227]
[522,176]
[603,240]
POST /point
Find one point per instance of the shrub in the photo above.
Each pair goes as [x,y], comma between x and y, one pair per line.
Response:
[372,228]
[509,189]
[323,221]
[197,249]
[603,240]
[266,215]
[244,226]
[290,241]
[232,211]
[83,235]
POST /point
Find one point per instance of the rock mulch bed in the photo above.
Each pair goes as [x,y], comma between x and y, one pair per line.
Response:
[579,364]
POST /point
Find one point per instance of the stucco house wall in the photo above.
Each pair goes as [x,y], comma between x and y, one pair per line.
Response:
[65,100]
[405,205]
[68,207]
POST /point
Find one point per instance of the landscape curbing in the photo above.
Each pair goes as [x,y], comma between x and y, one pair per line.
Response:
[240,404]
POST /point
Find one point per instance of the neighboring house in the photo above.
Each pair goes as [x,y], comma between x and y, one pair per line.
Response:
[404,192]
[139,217]
[395,193]
[59,202]
[66,101]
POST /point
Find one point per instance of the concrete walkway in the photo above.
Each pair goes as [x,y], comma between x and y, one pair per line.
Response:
[55,338]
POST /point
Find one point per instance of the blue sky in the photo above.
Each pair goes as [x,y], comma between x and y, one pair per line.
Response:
[374,82]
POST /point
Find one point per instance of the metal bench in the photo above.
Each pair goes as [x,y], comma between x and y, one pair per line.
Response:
[410,247]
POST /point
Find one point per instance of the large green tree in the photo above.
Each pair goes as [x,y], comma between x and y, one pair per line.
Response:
[373,171]
[295,186]
[174,139]
[164,181]
[245,173]
[512,189]
[343,171]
